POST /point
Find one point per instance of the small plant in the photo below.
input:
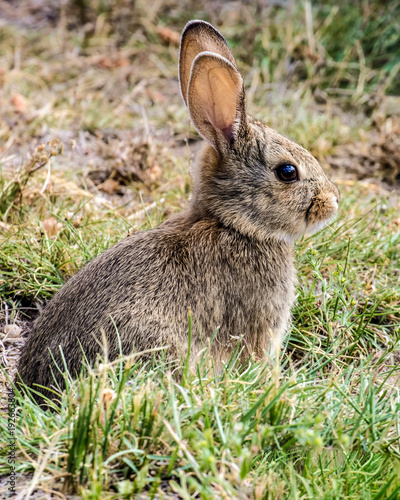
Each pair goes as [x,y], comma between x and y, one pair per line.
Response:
[14,188]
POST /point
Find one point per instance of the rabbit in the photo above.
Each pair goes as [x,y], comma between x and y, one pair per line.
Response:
[229,256]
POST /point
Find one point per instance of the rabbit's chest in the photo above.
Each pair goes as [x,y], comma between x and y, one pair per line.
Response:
[246,297]
[263,295]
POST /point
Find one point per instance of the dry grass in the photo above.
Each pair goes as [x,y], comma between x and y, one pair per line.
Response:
[95,143]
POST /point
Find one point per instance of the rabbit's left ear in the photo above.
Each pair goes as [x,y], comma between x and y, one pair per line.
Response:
[197,37]
[216,99]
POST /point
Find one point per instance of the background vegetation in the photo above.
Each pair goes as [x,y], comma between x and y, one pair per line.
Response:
[95,143]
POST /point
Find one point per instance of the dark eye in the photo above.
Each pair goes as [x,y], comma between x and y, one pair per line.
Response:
[287,173]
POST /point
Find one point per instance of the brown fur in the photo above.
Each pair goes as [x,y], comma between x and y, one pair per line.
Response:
[228,256]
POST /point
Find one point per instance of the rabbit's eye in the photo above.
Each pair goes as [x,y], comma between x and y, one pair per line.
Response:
[287,173]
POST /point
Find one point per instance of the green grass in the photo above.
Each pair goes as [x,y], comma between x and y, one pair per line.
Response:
[272,432]
[321,421]
[337,46]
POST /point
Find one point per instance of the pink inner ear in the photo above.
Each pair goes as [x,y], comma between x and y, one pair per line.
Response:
[223,95]
[228,133]
[215,89]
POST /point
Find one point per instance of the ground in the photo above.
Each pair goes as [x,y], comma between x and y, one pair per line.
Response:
[95,143]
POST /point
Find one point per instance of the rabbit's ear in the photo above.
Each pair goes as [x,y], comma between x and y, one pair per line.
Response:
[216,99]
[199,36]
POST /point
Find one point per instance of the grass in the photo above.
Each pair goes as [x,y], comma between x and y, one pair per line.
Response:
[99,90]
[249,432]
[321,423]
[311,431]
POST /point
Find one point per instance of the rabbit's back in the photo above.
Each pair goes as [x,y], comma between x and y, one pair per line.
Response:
[143,288]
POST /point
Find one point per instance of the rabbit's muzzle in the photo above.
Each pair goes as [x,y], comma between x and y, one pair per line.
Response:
[323,208]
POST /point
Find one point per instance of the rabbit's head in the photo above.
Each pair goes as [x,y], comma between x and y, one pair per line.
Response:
[248,176]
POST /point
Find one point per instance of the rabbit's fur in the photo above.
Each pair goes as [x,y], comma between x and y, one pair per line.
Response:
[228,257]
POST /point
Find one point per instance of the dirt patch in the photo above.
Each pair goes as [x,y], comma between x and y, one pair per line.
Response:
[122,159]
[13,331]
[24,483]
[376,156]
[23,486]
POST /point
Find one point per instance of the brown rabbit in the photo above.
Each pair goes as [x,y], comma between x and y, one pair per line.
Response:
[228,256]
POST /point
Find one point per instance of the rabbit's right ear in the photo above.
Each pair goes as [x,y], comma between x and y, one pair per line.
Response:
[216,100]
[199,36]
